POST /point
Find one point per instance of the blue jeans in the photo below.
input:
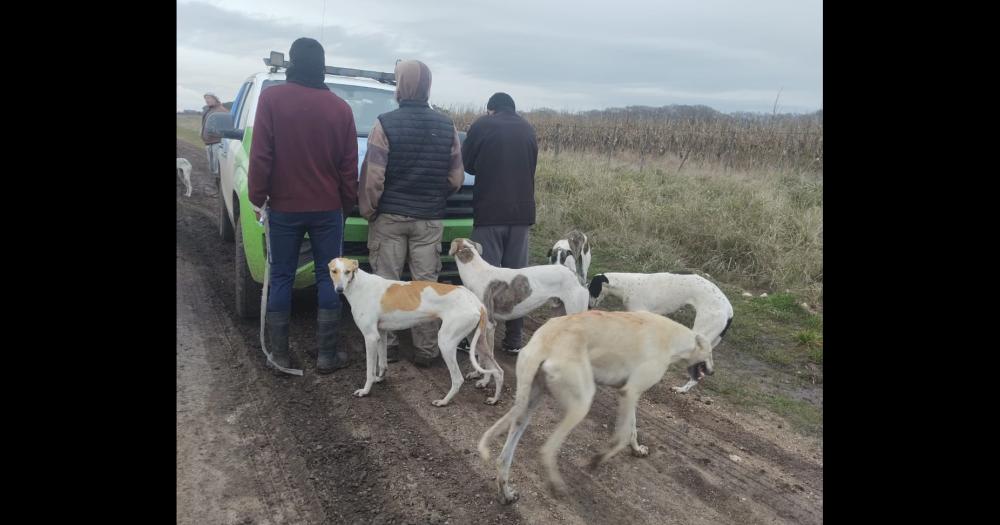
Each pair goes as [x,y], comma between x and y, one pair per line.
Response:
[326,234]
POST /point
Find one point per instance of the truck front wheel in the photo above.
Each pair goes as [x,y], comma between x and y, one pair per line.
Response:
[225,227]
[248,291]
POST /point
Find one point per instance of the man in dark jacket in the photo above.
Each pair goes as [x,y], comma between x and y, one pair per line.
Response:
[304,165]
[413,164]
[501,151]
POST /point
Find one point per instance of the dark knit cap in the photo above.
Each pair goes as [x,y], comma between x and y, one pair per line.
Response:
[308,63]
[500,101]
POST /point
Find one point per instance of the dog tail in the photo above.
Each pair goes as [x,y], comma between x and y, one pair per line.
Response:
[484,442]
[528,363]
[480,330]
[726,329]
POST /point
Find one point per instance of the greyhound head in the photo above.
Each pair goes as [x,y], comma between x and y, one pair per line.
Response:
[559,255]
[596,289]
[342,272]
[462,249]
[702,359]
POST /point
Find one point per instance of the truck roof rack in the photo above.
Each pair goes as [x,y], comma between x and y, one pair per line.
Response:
[277,61]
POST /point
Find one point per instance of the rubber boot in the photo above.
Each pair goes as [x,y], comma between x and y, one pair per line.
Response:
[277,341]
[329,359]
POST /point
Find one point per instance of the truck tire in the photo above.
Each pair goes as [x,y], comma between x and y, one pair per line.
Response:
[225,227]
[247,290]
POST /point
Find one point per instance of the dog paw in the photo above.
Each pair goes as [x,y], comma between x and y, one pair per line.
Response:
[439,402]
[379,379]
[508,495]
[360,392]
[483,382]
[473,375]
[492,400]
[678,389]
[558,488]
[640,452]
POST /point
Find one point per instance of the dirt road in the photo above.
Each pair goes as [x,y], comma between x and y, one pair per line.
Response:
[253,447]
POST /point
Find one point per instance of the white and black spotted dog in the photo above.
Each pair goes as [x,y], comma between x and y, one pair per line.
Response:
[573,252]
[184,174]
[665,293]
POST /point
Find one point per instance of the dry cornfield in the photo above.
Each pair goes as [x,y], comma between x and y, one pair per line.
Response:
[739,141]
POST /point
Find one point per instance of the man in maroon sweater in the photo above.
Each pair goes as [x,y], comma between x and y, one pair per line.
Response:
[304,166]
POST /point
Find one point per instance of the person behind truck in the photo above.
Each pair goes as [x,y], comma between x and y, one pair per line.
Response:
[212,142]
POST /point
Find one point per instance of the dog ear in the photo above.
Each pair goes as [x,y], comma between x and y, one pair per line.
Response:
[479,247]
[454,246]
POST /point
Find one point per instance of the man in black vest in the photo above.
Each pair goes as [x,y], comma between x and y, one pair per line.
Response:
[501,151]
[413,164]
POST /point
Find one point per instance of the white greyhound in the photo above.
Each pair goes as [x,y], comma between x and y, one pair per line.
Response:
[379,305]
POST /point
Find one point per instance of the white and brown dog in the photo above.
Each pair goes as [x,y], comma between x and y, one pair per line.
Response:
[573,252]
[570,356]
[665,293]
[511,294]
[379,305]
[184,173]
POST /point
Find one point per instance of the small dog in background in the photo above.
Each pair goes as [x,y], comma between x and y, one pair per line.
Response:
[573,252]
[184,173]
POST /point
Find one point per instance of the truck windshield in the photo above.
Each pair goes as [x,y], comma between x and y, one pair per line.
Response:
[366,103]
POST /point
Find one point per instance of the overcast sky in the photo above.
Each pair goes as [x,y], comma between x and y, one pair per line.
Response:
[732,55]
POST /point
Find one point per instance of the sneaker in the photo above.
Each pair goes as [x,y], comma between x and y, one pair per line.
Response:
[511,349]
[329,366]
[463,346]
[423,361]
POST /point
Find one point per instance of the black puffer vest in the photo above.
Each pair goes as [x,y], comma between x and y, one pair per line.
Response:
[416,177]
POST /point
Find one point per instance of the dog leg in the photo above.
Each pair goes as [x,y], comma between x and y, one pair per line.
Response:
[448,350]
[498,381]
[371,348]
[639,451]
[687,386]
[624,427]
[381,362]
[573,386]
[505,491]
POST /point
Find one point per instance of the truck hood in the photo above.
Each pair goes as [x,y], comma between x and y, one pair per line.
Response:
[363,148]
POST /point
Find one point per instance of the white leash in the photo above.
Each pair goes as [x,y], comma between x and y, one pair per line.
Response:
[263,295]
